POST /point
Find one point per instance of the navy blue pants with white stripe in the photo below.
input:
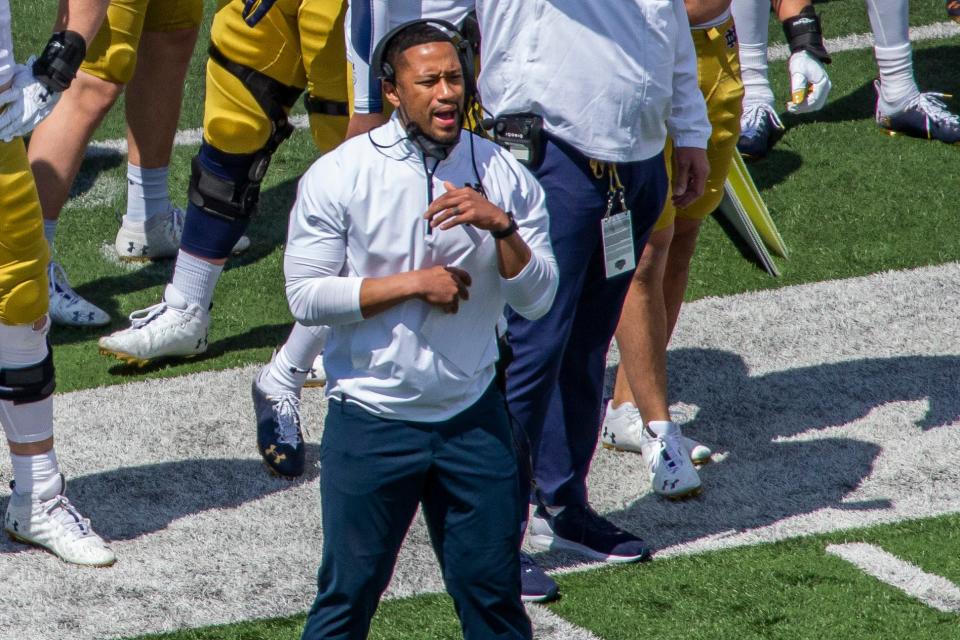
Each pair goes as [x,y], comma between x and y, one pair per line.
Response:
[555,382]
[373,474]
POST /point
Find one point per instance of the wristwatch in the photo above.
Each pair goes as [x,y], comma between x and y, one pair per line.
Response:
[509,231]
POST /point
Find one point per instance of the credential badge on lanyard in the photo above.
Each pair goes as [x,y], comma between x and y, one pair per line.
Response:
[618,250]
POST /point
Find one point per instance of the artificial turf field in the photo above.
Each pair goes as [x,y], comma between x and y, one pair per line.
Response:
[849,202]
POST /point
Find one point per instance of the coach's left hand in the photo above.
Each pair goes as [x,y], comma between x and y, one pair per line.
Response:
[465,205]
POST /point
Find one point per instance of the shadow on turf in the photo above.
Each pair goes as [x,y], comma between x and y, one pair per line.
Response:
[763,479]
[129,502]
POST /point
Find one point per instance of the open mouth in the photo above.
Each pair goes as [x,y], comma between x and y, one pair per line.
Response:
[446,116]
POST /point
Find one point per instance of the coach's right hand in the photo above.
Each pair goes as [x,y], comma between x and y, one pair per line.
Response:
[443,287]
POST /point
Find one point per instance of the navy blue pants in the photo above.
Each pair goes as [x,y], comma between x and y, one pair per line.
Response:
[373,474]
[555,382]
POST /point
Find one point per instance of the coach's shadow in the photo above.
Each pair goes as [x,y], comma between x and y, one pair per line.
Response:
[763,479]
[129,502]
[267,231]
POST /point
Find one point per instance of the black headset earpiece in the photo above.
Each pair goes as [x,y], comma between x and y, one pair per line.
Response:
[464,52]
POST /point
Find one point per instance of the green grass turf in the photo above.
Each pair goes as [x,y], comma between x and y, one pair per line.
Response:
[845,17]
[848,200]
[791,590]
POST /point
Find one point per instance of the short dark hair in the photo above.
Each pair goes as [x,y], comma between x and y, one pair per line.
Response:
[414,35]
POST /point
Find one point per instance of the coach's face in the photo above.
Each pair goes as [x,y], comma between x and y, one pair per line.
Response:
[429,89]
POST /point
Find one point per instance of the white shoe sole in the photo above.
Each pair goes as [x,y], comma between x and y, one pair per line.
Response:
[17,538]
[130,359]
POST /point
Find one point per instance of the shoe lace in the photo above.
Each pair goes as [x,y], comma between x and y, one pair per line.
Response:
[286,410]
[59,282]
[143,317]
[59,509]
[931,105]
[754,115]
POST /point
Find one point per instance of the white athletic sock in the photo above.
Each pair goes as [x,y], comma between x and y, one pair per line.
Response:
[50,232]
[897,85]
[195,279]
[288,368]
[753,70]
[147,193]
[35,474]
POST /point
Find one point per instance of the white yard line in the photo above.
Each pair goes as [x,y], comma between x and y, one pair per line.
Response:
[933,590]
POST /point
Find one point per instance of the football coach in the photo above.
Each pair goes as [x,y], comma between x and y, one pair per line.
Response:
[408,242]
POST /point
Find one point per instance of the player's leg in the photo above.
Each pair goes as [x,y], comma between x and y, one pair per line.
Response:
[37,513]
[760,125]
[276,399]
[151,226]
[57,146]
[901,107]
[324,59]
[253,77]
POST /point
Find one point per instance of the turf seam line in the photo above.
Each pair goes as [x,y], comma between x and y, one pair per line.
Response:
[933,590]
[776,52]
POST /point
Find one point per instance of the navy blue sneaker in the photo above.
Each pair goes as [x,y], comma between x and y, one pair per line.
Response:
[581,529]
[760,129]
[925,116]
[279,438]
[953,10]
[535,584]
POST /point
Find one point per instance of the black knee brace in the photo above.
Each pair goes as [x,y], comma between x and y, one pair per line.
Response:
[237,199]
[32,383]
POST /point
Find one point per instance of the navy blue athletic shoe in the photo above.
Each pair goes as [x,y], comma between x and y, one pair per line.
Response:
[535,584]
[583,530]
[925,116]
[953,10]
[760,129]
[279,438]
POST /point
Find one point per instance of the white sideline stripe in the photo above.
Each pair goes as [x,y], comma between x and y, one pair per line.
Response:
[936,31]
[933,590]
[549,626]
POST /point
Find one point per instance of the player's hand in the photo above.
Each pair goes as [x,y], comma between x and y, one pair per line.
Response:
[254,10]
[690,170]
[809,83]
[444,287]
[465,205]
[24,104]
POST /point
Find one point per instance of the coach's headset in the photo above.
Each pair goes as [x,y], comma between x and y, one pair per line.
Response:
[385,70]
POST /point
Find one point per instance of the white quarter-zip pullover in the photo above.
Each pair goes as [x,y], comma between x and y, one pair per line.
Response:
[359,214]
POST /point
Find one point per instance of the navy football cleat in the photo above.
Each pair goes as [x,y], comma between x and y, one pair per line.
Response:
[279,438]
[925,116]
[760,130]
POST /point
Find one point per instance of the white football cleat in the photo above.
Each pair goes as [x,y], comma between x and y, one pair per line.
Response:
[172,328]
[67,307]
[672,474]
[623,427]
[316,374]
[158,237]
[51,522]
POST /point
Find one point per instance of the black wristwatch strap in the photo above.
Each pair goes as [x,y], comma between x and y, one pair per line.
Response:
[509,231]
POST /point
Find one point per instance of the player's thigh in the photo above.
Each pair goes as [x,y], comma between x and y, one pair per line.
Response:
[23,250]
[324,60]
[164,16]
[112,54]
[233,120]
[720,83]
